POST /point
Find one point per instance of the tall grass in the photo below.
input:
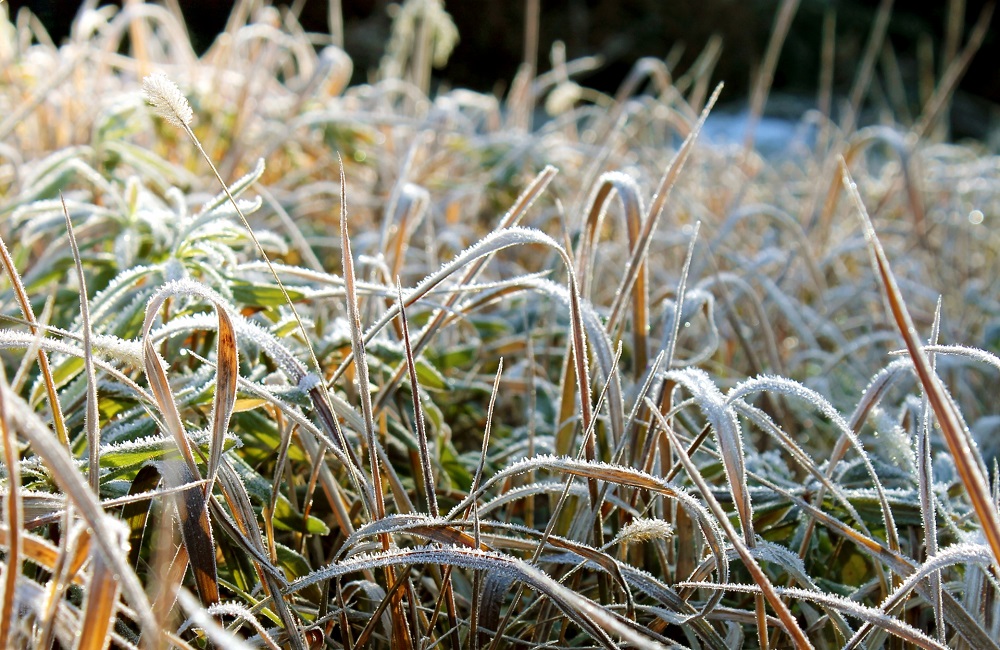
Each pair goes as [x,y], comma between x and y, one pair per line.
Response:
[288,363]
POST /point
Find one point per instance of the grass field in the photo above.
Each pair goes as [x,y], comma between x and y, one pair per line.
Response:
[288,363]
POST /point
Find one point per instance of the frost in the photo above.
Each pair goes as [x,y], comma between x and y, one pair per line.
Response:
[644,530]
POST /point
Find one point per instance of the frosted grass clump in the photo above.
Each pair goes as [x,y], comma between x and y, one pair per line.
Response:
[760,366]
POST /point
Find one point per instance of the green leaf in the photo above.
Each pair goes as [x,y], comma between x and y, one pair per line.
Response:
[124,459]
[295,567]
[261,295]
[454,468]
[285,516]
[430,377]
[260,438]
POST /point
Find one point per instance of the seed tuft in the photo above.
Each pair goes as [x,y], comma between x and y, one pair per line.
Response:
[167,99]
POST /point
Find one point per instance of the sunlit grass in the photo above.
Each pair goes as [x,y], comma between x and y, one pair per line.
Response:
[293,364]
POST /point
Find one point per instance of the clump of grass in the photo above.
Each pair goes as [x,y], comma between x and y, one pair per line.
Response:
[387,369]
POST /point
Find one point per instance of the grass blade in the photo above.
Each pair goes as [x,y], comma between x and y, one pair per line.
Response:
[655,211]
[196,530]
[967,463]
[99,612]
[43,360]
[91,419]
[14,516]
[227,370]
[400,631]
[596,621]
[628,193]
[360,356]
[164,397]
[426,471]
[475,262]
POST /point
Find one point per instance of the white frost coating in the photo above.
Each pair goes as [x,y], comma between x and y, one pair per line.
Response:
[600,346]
[106,298]
[565,463]
[246,330]
[167,100]
[611,473]
[246,206]
[794,389]
[728,434]
[954,554]
[974,354]
[781,556]
[588,615]
[695,300]
[152,442]
[791,388]
[308,381]
[126,352]
[644,530]
[838,603]
[10,339]
[524,491]
[494,241]
[240,612]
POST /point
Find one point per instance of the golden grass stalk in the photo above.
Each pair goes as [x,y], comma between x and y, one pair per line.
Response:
[226,373]
[956,436]
[14,517]
[58,422]
[99,611]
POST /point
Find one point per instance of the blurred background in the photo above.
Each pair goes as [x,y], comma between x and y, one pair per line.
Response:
[491,43]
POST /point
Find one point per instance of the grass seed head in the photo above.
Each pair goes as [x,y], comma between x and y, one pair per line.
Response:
[167,99]
[645,530]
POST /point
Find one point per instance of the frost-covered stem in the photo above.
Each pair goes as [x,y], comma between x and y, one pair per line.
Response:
[91,417]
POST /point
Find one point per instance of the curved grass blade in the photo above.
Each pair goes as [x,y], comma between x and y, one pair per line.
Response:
[955,554]
[475,262]
[655,211]
[627,191]
[955,613]
[168,102]
[846,606]
[215,632]
[616,474]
